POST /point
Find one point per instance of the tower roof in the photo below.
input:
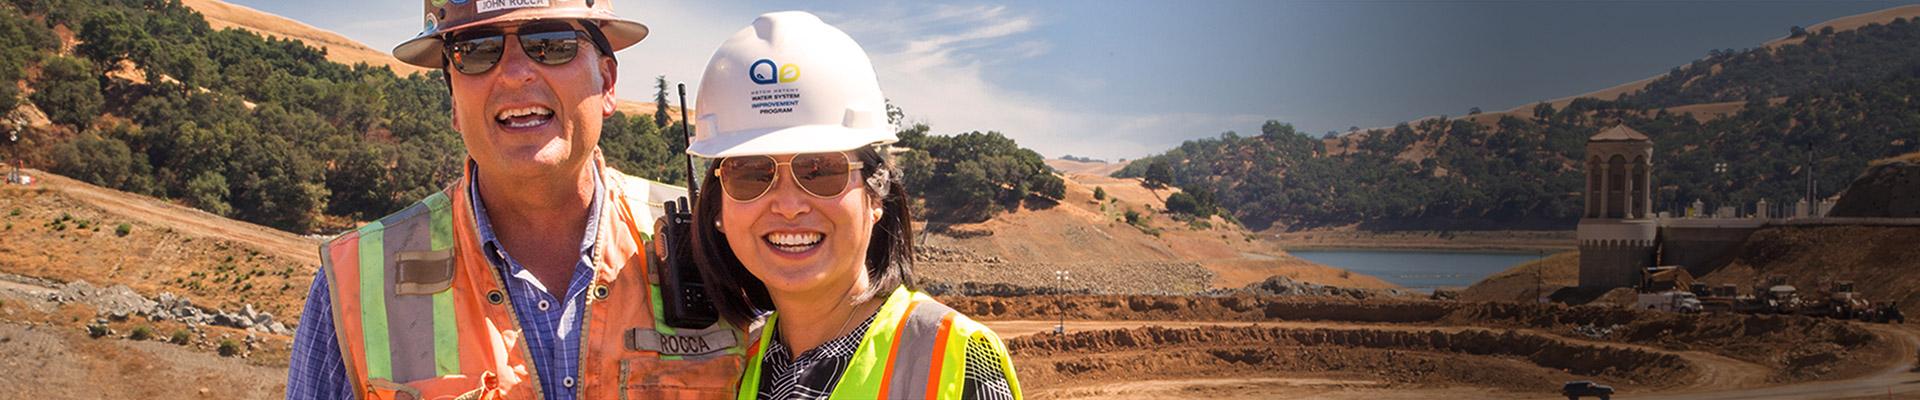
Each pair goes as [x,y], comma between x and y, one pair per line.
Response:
[1619,133]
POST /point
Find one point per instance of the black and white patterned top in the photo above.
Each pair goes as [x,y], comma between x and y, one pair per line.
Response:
[814,373]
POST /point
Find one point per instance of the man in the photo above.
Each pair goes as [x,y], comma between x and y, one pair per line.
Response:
[529,277]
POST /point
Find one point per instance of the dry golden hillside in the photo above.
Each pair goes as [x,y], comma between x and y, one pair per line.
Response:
[1081,233]
[221,15]
[340,49]
[1701,112]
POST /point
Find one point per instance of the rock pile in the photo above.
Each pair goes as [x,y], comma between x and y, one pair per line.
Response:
[1284,286]
[1029,278]
[118,303]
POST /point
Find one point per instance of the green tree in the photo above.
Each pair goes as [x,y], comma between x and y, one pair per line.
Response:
[208,192]
[103,161]
[660,116]
[1159,174]
[109,36]
[1181,202]
[68,91]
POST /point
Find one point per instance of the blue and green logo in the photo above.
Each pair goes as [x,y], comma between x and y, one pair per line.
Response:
[766,72]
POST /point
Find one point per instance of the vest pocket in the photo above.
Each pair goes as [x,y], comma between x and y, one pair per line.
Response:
[653,377]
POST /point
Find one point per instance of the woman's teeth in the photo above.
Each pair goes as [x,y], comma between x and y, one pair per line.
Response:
[794,242]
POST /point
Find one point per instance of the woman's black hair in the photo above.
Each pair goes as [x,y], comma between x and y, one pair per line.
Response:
[740,297]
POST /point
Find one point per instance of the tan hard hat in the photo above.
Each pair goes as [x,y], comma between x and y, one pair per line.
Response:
[443,16]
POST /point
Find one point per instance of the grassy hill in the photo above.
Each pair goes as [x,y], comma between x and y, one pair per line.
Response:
[1841,95]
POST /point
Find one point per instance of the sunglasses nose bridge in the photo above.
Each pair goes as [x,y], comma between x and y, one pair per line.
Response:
[785,197]
[514,62]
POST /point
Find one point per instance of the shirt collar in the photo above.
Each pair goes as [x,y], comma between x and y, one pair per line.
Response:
[491,243]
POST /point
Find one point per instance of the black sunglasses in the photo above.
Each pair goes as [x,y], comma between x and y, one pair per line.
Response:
[474,52]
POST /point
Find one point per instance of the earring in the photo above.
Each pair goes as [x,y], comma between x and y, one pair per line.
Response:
[716,224]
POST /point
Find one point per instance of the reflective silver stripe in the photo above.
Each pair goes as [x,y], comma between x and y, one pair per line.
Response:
[913,360]
[409,317]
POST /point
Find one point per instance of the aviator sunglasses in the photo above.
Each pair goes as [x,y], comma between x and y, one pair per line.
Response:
[476,51]
[823,175]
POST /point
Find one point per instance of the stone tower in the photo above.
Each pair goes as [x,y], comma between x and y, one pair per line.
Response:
[1618,228]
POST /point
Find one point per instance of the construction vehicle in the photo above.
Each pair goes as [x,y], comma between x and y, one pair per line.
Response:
[1782,299]
[1670,301]
[1723,298]
[1576,389]
[1839,302]
[1884,312]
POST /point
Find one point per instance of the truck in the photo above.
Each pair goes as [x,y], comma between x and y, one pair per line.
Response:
[1669,301]
[1576,389]
[1840,302]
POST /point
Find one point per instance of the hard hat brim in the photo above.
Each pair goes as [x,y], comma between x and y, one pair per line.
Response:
[426,50]
[790,140]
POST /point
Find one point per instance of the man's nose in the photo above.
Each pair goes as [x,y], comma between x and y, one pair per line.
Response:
[515,68]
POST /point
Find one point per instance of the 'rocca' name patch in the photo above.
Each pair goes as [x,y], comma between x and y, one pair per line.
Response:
[491,5]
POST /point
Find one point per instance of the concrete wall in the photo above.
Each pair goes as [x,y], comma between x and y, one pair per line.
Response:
[1704,245]
[1613,263]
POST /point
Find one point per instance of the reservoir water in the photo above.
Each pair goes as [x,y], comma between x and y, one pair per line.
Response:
[1420,269]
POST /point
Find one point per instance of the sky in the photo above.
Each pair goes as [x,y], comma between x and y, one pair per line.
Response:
[1122,79]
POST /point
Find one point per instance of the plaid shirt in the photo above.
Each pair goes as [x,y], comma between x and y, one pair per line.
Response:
[551,326]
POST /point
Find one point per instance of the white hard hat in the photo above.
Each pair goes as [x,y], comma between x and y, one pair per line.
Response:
[788,84]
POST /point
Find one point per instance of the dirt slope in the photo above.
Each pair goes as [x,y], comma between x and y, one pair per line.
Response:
[1081,233]
[65,230]
[1527,282]
[221,15]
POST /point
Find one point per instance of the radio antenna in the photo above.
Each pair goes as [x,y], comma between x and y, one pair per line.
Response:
[685,125]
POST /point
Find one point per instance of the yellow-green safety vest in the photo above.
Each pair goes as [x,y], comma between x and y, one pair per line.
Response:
[915,349]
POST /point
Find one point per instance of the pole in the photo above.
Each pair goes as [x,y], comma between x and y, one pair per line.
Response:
[13,142]
[1060,300]
[1539,276]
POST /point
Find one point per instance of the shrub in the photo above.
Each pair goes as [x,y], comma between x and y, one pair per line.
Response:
[1099,193]
[123,229]
[141,333]
[229,348]
[179,337]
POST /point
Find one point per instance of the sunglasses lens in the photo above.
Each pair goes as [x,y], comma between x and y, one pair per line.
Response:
[552,47]
[476,55]
[746,178]
[823,174]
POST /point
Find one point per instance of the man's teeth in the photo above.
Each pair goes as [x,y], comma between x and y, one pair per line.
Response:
[518,117]
[795,242]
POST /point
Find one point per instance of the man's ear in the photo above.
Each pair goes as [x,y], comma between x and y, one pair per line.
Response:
[609,73]
[453,106]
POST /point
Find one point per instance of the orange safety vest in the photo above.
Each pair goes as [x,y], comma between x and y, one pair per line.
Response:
[421,314]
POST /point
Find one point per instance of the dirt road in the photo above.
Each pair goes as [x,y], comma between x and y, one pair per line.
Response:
[188,220]
[1718,377]
[1895,381]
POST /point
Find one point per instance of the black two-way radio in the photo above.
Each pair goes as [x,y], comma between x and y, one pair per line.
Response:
[684,291]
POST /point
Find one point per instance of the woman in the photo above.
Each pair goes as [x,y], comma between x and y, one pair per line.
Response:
[809,227]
